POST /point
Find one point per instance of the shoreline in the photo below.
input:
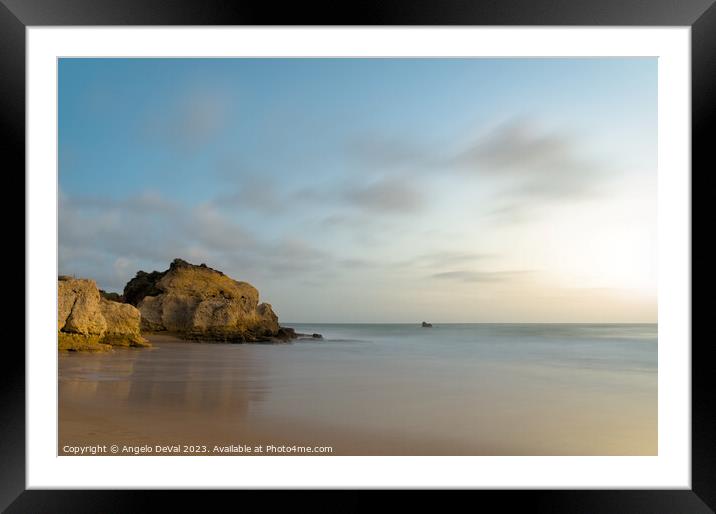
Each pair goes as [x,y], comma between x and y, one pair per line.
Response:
[360,397]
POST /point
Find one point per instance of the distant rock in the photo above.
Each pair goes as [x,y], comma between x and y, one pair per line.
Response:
[201,303]
[307,337]
[114,297]
[427,325]
[87,321]
[143,284]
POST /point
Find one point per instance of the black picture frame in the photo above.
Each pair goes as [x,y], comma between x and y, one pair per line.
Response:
[16,15]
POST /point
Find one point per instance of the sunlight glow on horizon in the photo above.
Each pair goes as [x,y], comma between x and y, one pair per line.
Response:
[360,190]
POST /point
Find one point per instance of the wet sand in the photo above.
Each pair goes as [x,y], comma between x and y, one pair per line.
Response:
[347,396]
[213,407]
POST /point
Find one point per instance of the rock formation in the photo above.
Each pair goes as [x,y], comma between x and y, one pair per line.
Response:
[87,321]
[200,303]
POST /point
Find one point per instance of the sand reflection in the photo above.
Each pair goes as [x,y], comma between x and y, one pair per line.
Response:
[159,394]
[400,397]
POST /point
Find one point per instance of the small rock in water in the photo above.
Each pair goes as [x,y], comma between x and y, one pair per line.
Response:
[317,336]
[427,325]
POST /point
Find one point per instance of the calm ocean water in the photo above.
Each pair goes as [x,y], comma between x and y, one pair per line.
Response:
[473,389]
[594,346]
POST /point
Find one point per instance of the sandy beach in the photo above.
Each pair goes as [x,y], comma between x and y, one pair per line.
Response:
[353,396]
[135,409]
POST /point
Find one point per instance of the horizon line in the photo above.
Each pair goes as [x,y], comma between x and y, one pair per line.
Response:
[471,323]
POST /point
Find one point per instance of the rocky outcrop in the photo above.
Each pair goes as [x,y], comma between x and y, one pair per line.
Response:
[201,303]
[87,321]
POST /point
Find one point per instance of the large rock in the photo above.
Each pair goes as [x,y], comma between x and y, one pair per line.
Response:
[197,302]
[78,310]
[86,321]
[123,322]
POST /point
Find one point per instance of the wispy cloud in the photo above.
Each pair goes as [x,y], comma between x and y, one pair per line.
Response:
[442,258]
[533,161]
[374,153]
[388,195]
[526,165]
[519,148]
[253,192]
[105,238]
[480,276]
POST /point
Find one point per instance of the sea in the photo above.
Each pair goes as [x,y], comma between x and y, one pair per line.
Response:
[378,389]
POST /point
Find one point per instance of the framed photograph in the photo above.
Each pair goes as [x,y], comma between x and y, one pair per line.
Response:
[428,247]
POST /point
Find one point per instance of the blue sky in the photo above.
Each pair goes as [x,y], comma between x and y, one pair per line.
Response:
[357,189]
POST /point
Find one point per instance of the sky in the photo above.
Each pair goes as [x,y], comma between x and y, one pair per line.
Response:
[370,190]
